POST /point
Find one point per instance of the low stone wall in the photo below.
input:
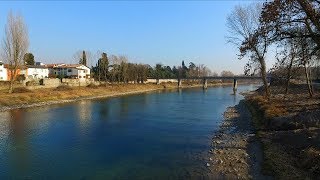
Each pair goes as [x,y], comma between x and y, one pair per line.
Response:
[162,80]
[53,83]
[77,82]
[50,83]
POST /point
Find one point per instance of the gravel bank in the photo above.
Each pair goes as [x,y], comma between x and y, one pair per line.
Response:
[236,151]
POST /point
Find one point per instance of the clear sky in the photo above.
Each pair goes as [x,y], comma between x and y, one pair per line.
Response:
[146,32]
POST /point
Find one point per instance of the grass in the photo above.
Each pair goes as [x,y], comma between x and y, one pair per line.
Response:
[277,162]
[270,109]
[289,153]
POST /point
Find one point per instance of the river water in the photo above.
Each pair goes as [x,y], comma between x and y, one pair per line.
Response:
[157,135]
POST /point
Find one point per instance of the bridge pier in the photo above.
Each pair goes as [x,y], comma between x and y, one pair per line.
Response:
[179,83]
[235,85]
[205,83]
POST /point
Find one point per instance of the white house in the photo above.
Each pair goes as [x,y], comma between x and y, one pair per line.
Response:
[36,72]
[77,71]
[3,72]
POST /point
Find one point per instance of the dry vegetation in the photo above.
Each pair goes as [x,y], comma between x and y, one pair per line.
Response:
[289,128]
[25,96]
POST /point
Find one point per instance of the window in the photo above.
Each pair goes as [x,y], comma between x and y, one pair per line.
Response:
[1,77]
[69,70]
[84,71]
[0,70]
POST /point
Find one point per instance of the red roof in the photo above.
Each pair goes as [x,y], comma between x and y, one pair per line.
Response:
[63,65]
[19,67]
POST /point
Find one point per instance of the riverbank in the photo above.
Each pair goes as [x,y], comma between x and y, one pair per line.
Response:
[236,152]
[24,98]
[289,129]
[260,139]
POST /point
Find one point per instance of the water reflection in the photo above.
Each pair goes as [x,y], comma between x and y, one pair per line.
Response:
[84,110]
[103,110]
[19,145]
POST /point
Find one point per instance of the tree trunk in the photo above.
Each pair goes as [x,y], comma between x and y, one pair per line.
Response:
[12,72]
[288,76]
[99,74]
[105,77]
[264,78]
[11,86]
[308,79]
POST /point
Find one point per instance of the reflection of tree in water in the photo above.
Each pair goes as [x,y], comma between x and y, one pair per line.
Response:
[145,99]
[234,98]
[103,110]
[84,113]
[19,147]
[124,106]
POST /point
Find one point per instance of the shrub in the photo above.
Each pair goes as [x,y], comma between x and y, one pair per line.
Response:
[93,86]
[31,83]
[21,90]
[63,88]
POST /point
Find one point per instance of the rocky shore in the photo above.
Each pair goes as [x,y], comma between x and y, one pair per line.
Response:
[236,152]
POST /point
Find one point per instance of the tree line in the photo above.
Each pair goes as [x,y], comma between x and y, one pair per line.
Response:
[118,69]
[292,27]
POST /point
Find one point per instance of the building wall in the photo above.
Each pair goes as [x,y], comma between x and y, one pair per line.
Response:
[3,73]
[74,72]
[37,73]
[10,76]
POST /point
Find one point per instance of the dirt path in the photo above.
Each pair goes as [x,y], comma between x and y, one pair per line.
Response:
[236,153]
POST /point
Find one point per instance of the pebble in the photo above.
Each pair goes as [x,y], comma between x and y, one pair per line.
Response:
[208,165]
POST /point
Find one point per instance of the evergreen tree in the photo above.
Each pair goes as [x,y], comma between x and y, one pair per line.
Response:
[83,59]
[103,66]
[28,59]
[184,70]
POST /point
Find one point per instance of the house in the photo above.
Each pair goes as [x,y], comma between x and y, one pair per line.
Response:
[36,72]
[28,71]
[9,72]
[76,71]
[3,72]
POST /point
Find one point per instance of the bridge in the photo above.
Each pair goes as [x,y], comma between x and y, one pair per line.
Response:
[206,78]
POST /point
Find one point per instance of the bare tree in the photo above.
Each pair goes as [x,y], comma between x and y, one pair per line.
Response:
[305,58]
[250,36]
[226,74]
[289,55]
[15,45]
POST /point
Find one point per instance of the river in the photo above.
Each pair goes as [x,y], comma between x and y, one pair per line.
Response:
[159,135]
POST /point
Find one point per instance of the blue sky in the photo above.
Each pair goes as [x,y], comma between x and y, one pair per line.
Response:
[146,32]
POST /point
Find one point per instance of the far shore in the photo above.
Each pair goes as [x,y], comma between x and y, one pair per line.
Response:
[50,96]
